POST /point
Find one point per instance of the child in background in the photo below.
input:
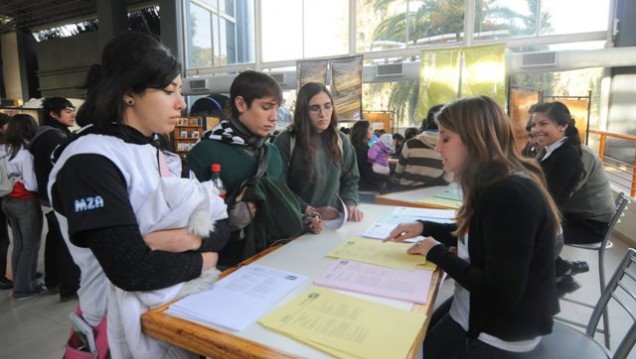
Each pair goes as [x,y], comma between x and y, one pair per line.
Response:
[379,153]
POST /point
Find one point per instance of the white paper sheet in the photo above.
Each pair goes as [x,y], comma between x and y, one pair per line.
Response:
[239,299]
[387,223]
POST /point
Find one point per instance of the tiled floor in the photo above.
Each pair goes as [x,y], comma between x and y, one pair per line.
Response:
[38,327]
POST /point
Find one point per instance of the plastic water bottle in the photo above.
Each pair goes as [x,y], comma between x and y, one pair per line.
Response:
[216,180]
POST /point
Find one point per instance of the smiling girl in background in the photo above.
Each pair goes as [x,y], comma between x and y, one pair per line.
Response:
[577,182]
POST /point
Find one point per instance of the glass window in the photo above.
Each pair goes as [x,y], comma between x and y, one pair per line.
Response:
[326,28]
[294,30]
[282,33]
[501,19]
[200,44]
[385,25]
[213,37]
[568,17]
[399,97]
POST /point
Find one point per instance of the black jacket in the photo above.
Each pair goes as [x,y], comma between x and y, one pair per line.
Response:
[563,170]
[49,136]
[511,274]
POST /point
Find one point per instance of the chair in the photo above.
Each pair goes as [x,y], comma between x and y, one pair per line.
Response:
[621,203]
[567,342]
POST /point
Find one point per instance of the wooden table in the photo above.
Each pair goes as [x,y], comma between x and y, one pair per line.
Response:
[410,198]
[304,255]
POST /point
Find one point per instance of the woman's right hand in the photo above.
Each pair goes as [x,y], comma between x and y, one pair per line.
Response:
[405,231]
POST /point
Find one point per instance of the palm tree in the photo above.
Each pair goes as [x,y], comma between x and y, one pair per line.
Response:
[431,20]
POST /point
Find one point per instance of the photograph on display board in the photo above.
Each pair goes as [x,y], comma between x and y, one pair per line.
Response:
[312,71]
[346,79]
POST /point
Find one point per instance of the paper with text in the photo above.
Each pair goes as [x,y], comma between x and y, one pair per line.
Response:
[382,228]
[341,324]
[400,284]
[238,299]
[388,254]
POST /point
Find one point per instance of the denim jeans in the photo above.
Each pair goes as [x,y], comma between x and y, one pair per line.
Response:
[4,243]
[25,217]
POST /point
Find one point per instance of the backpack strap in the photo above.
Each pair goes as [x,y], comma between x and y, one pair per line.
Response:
[261,170]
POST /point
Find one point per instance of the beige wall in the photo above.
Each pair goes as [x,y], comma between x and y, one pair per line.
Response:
[11,66]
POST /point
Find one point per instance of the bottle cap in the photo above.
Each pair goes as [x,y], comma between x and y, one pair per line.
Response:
[216,167]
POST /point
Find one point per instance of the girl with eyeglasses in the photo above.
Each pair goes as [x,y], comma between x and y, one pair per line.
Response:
[321,161]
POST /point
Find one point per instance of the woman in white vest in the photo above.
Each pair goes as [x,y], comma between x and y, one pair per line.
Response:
[104,177]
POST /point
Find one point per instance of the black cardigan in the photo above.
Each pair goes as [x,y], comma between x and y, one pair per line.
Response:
[511,274]
[563,169]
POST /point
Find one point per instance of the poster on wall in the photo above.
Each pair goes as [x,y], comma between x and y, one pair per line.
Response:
[346,78]
[312,71]
[484,72]
[439,79]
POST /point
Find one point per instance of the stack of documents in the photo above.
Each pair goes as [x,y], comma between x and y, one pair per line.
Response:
[407,285]
[346,327]
[386,224]
[388,254]
[239,299]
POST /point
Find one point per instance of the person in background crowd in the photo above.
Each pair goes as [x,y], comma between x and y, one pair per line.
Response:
[505,291]
[61,274]
[379,153]
[345,130]
[577,182]
[322,166]
[532,148]
[398,143]
[410,133]
[5,283]
[419,165]
[22,208]
[369,180]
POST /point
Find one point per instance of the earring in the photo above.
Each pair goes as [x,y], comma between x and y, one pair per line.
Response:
[130,102]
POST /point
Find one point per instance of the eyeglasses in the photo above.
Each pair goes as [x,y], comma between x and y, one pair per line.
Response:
[316,108]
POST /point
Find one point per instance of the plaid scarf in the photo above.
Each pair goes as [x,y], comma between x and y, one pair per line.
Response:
[234,132]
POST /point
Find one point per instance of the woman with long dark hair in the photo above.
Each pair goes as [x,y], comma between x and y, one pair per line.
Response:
[22,207]
[577,182]
[505,291]
[361,133]
[321,160]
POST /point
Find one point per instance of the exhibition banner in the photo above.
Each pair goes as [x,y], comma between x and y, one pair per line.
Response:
[346,75]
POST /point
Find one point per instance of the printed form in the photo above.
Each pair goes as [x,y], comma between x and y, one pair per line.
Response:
[407,285]
[346,327]
[388,254]
[239,299]
[386,224]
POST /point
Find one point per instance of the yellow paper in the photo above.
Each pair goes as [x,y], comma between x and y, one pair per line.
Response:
[388,254]
[427,266]
[346,326]
[441,202]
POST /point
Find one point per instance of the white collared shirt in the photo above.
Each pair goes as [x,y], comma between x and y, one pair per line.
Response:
[550,148]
